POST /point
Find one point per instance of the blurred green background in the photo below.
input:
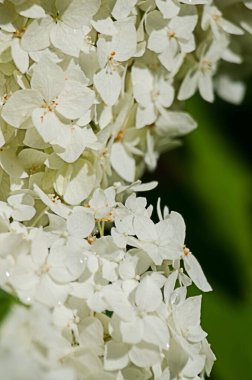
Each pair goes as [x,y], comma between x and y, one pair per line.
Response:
[208,181]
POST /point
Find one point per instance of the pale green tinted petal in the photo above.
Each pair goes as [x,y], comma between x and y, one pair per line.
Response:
[11,165]
[7,16]
[30,9]
[32,158]
[20,106]
[248,4]
[70,185]
[115,356]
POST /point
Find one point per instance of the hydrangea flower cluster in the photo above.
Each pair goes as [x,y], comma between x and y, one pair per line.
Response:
[107,288]
[91,92]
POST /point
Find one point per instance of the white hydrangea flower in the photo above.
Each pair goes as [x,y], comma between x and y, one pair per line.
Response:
[152,94]
[212,17]
[90,95]
[65,25]
[69,98]
[200,76]
[111,55]
[173,38]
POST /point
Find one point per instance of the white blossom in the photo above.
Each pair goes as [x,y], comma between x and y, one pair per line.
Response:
[91,93]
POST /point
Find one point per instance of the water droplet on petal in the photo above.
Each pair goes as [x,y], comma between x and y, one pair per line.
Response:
[7,274]
[28,299]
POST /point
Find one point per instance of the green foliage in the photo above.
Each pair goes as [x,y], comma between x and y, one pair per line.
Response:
[221,182]
[5,303]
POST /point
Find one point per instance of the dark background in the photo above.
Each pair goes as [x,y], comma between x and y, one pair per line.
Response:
[208,180]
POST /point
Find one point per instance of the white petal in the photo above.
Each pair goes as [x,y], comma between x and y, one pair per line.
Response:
[36,36]
[148,295]
[67,39]
[42,81]
[122,163]
[105,26]
[230,90]
[206,87]
[20,57]
[195,2]
[57,208]
[132,331]
[145,116]
[122,8]
[124,43]
[108,84]
[50,293]
[80,223]
[145,229]
[189,85]
[71,143]
[156,331]
[196,273]
[158,41]
[142,80]
[75,100]
[231,28]
[47,124]
[65,263]
[144,355]
[77,13]
[169,8]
